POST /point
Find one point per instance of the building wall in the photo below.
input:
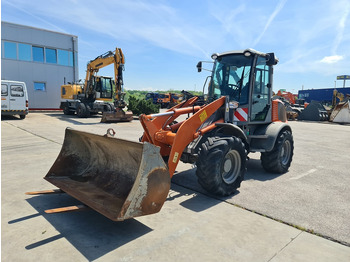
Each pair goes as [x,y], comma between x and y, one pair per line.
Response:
[21,60]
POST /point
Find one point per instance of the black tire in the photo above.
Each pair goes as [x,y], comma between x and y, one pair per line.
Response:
[82,110]
[279,159]
[109,108]
[22,116]
[221,165]
[66,110]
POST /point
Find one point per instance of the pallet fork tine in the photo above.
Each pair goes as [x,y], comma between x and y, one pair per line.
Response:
[67,209]
[45,192]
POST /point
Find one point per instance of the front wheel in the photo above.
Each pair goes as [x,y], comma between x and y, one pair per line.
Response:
[221,165]
[279,159]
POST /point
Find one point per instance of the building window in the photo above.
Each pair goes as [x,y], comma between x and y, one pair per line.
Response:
[63,57]
[10,50]
[4,90]
[39,86]
[51,56]
[71,59]
[38,54]
[24,52]
[17,90]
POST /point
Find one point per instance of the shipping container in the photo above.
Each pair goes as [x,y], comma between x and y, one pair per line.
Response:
[323,95]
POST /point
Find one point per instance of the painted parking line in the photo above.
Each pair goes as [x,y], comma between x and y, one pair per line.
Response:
[304,174]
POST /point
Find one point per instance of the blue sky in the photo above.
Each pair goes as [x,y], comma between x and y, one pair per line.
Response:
[163,39]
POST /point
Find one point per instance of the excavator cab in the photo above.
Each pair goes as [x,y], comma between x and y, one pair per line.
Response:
[99,88]
[104,87]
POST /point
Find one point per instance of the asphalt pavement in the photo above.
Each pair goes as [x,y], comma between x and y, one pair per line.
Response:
[299,216]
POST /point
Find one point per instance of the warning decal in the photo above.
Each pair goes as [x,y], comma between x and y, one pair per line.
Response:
[241,114]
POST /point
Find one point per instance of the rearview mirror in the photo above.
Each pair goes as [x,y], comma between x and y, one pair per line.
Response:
[271,59]
[199,66]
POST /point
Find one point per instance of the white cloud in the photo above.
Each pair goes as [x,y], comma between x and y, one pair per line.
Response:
[332,59]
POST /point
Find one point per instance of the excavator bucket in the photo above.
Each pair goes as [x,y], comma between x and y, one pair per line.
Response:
[315,111]
[341,113]
[117,116]
[118,178]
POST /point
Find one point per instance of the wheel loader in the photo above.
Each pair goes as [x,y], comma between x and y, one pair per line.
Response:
[123,179]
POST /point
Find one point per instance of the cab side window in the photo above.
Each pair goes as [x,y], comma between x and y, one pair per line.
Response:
[260,96]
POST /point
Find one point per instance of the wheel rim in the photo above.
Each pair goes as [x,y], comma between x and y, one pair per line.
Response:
[285,152]
[231,167]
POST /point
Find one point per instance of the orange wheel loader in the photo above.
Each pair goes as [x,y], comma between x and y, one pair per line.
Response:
[123,179]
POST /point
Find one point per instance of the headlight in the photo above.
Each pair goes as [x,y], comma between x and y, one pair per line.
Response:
[233,104]
[247,53]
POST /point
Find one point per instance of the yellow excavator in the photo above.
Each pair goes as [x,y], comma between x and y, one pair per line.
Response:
[99,94]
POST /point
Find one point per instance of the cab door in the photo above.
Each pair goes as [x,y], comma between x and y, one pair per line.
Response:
[5,101]
[261,100]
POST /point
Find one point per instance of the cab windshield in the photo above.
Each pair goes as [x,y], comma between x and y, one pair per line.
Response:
[231,78]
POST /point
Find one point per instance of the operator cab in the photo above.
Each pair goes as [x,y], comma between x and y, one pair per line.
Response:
[104,87]
[245,77]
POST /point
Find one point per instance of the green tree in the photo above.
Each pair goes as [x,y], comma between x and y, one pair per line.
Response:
[142,106]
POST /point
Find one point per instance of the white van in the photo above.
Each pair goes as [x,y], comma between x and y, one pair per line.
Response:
[14,98]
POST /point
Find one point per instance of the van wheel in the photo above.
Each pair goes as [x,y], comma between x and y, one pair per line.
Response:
[279,159]
[22,116]
[221,165]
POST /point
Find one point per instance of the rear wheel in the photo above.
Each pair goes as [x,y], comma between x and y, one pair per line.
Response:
[221,165]
[83,110]
[279,159]
[22,116]
[66,110]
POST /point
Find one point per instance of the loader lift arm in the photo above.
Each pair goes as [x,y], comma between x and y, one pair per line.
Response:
[173,141]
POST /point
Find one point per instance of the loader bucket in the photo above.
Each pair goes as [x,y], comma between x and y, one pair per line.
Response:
[118,178]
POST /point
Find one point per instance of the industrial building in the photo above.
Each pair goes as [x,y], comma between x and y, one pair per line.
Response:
[43,59]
